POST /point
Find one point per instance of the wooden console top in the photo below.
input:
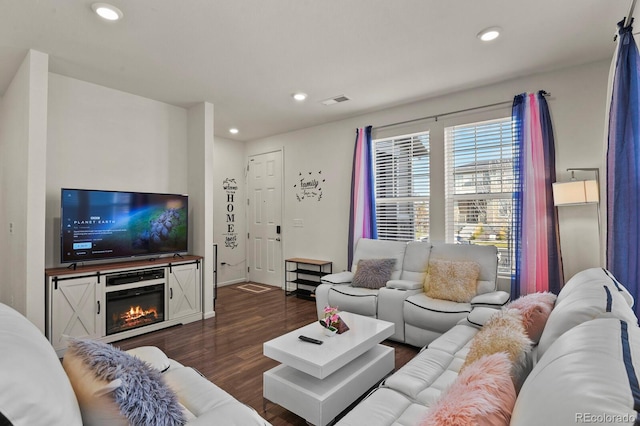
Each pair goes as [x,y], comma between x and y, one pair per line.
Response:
[159,261]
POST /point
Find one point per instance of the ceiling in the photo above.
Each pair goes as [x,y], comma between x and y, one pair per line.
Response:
[248,57]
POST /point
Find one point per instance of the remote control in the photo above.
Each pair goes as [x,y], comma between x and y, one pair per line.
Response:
[310,340]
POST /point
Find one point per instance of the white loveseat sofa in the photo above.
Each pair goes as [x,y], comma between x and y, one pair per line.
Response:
[584,369]
[36,390]
[418,318]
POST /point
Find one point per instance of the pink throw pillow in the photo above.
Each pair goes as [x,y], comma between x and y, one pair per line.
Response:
[483,394]
[535,309]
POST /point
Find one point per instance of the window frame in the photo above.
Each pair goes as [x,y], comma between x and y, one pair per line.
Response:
[411,200]
[501,188]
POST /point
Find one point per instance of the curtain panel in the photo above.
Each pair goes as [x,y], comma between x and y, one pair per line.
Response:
[623,165]
[538,262]
[362,215]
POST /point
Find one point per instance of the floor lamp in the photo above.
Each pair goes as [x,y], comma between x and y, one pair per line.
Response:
[580,192]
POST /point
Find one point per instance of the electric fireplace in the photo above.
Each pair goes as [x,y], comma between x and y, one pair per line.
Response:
[133,308]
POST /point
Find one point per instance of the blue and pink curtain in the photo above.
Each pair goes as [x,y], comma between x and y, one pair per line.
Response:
[623,165]
[362,217]
[538,262]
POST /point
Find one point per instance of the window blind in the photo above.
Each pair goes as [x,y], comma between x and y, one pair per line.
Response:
[479,185]
[401,174]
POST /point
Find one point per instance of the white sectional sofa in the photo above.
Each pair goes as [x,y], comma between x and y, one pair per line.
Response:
[583,370]
[418,318]
[36,390]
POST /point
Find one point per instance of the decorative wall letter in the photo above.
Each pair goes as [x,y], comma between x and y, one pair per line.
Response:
[231,236]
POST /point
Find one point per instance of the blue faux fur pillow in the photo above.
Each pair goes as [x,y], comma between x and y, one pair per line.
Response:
[142,397]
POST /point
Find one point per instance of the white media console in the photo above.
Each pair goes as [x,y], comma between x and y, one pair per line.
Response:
[114,301]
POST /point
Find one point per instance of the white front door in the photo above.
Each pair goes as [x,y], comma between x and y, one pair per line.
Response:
[265,218]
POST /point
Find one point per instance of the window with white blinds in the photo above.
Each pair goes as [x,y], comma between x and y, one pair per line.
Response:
[401,174]
[479,184]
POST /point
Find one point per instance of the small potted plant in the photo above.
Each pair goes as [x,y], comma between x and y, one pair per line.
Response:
[331,320]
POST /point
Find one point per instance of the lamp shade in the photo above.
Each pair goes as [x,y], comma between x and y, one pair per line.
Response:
[575,192]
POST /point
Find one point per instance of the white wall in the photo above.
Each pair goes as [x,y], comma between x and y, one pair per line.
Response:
[23,123]
[229,210]
[577,107]
[101,138]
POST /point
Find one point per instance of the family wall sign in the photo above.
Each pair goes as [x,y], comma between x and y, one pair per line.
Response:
[309,186]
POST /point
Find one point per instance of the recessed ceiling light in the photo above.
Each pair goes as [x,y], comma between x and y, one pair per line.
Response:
[299,96]
[233,130]
[489,34]
[107,11]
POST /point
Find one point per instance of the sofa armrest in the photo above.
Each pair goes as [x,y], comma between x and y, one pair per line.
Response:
[404,285]
[152,356]
[478,316]
[344,277]
[494,299]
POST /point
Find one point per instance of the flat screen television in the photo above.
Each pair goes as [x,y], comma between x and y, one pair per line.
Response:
[100,225]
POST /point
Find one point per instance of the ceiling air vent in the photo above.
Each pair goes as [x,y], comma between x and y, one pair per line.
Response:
[335,100]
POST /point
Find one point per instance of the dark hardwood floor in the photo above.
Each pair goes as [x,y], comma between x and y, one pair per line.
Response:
[227,349]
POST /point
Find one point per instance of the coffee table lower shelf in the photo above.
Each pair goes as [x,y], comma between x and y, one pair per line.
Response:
[319,401]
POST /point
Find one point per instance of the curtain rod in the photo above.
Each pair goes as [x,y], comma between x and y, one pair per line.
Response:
[444,114]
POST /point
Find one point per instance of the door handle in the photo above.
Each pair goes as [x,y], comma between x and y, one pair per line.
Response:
[278,239]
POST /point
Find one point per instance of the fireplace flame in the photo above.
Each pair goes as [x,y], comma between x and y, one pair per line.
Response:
[136,313]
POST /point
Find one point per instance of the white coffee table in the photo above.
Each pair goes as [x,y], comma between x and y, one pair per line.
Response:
[318,382]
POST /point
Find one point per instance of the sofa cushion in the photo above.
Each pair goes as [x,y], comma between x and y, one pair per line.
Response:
[584,376]
[380,249]
[416,261]
[435,368]
[598,277]
[420,373]
[433,314]
[485,256]
[452,280]
[592,301]
[483,394]
[35,389]
[455,339]
[384,407]
[621,288]
[373,273]
[114,387]
[208,402]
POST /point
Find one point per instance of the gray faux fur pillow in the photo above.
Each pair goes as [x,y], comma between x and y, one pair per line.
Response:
[107,379]
[373,273]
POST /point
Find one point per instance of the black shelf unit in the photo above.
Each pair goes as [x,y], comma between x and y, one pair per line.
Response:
[306,274]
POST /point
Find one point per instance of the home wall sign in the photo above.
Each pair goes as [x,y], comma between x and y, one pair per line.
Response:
[309,186]
[230,236]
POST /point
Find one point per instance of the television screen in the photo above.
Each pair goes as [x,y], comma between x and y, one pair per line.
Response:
[98,225]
